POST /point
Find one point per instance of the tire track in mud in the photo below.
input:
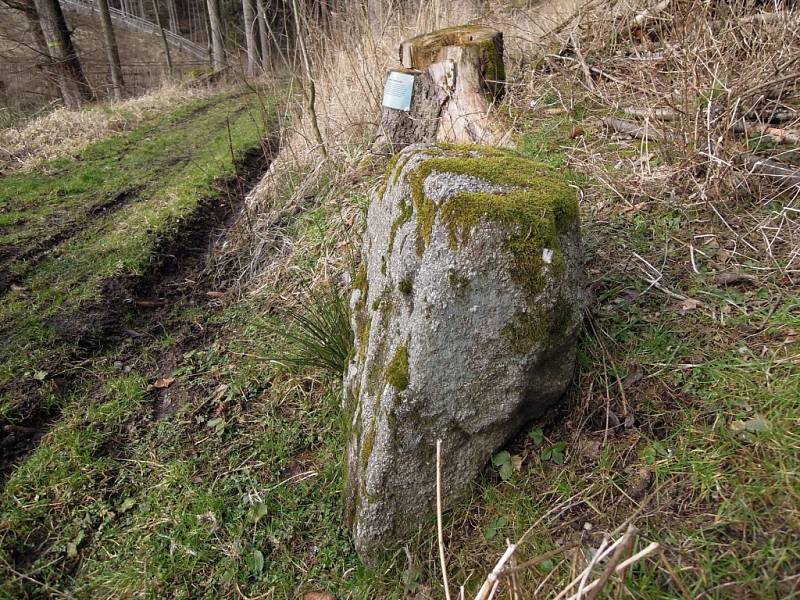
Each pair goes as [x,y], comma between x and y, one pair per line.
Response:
[103,327]
[72,227]
[76,222]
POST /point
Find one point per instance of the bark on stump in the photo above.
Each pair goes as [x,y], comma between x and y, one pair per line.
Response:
[459,75]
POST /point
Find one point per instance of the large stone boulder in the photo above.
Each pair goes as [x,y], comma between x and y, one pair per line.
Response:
[466,309]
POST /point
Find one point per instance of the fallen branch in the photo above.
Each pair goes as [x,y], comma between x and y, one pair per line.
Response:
[662,114]
[629,539]
[767,17]
[632,129]
[778,172]
[777,135]
[538,560]
[651,12]
[622,566]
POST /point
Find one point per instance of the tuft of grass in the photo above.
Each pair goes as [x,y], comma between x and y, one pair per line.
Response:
[319,335]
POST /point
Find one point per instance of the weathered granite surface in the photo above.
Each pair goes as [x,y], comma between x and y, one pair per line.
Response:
[466,310]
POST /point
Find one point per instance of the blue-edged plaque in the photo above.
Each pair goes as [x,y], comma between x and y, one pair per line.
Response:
[398,90]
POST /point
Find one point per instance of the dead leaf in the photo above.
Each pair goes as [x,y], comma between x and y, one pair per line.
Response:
[635,374]
[163,382]
[516,463]
[215,294]
[690,304]
[733,278]
[576,132]
[318,596]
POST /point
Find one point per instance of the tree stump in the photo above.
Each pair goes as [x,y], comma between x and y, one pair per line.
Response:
[458,76]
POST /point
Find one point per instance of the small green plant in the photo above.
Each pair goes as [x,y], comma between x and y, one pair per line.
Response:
[537,437]
[495,527]
[555,453]
[504,463]
[319,334]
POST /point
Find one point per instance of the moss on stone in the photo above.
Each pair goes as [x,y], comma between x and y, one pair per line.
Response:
[406,211]
[397,371]
[360,280]
[405,286]
[541,205]
[533,217]
[375,370]
[369,443]
[363,337]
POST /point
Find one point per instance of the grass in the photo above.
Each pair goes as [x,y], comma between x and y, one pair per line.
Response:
[105,213]
[315,335]
[227,483]
[238,490]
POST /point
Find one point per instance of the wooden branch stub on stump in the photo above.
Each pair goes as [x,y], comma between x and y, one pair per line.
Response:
[459,74]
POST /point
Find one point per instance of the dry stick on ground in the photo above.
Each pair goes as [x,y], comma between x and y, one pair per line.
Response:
[632,129]
[439,533]
[777,172]
[622,566]
[678,581]
[777,135]
[651,12]
[629,539]
[601,554]
[587,73]
[767,17]
[492,579]
[538,560]
[662,114]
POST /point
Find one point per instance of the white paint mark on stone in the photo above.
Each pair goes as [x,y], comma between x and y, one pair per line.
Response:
[547,256]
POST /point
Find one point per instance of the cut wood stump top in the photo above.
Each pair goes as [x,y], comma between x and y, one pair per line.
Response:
[421,51]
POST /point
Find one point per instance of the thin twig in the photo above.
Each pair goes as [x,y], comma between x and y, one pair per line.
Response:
[439,531]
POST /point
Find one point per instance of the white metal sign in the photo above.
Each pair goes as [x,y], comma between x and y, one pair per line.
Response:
[398,90]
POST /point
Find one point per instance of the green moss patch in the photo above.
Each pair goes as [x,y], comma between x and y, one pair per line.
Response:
[397,372]
[539,205]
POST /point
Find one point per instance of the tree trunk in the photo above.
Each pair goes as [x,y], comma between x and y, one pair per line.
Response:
[263,35]
[44,63]
[173,17]
[167,55]
[74,88]
[217,47]
[248,13]
[458,76]
[112,52]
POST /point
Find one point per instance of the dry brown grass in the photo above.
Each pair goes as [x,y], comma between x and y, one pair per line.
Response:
[348,68]
[64,132]
[708,91]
